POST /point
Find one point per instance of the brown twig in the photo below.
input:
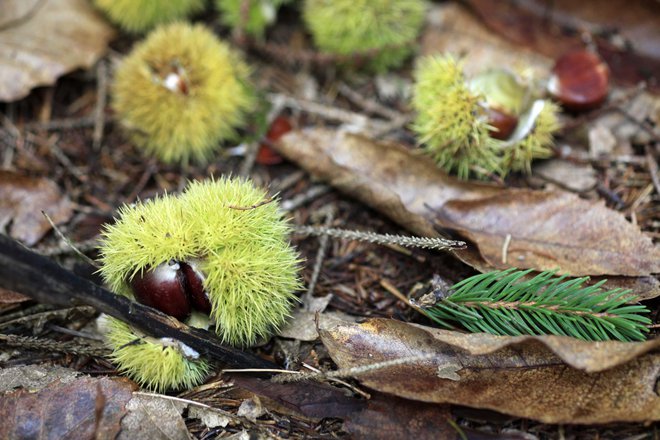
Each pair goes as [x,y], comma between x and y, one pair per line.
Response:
[68,242]
[318,262]
[653,169]
[34,275]
[101,100]
[255,206]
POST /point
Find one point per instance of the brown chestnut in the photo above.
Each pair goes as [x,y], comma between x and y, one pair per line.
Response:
[163,288]
[580,80]
[194,282]
[503,123]
[266,154]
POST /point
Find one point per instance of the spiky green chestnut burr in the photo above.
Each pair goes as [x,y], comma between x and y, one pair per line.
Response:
[507,94]
[490,124]
[386,27]
[157,364]
[236,239]
[260,15]
[250,268]
[142,15]
[180,92]
[534,137]
[449,121]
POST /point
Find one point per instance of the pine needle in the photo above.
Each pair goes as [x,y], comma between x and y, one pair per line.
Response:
[505,303]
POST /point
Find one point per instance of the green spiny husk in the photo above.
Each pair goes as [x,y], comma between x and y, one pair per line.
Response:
[260,14]
[139,16]
[346,27]
[153,363]
[453,127]
[251,270]
[504,303]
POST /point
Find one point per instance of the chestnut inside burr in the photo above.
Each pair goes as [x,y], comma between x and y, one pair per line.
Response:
[174,288]
[503,123]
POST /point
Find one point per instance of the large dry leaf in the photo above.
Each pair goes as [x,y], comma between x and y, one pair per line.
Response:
[381,417]
[550,230]
[547,230]
[548,378]
[626,32]
[22,200]
[85,408]
[42,40]
[451,28]
[387,418]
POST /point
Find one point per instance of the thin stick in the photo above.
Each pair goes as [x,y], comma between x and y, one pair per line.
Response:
[355,389]
[68,242]
[67,248]
[331,113]
[258,370]
[505,248]
[368,104]
[653,169]
[300,199]
[371,237]
[251,207]
[191,403]
[45,344]
[354,371]
[101,100]
[318,262]
[251,151]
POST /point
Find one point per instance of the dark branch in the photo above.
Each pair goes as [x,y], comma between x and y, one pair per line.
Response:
[34,275]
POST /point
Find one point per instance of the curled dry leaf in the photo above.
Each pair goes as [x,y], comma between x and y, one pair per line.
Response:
[630,46]
[40,40]
[381,417]
[550,230]
[388,418]
[548,378]
[452,28]
[22,200]
[547,229]
[82,408]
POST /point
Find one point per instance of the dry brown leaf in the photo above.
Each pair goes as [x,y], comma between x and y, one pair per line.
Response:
[389,418]
[548,378]
[42,40]
[626,32]
[548,229]
[451,28]
[302,324]
[14,11]
[315,401]
[568,175]
[85,408]
[9,297]
[22,200]
[154,418]
[381,417]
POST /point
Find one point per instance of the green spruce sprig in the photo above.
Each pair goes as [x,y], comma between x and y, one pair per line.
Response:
[504,303]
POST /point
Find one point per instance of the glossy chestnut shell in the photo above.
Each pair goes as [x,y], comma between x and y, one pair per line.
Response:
[174,288]
[503,123]
[580,80]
